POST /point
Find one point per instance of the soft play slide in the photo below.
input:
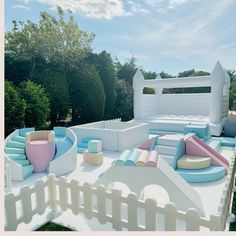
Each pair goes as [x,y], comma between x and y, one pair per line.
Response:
[196,147]
[63,162]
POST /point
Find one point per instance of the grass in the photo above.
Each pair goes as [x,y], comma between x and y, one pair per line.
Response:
[232,226]
[50,226]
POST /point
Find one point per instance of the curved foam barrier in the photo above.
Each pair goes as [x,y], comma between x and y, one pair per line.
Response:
[123,157]
[141,161]
[152,159]
[193,162]
[132,158]
[211,173]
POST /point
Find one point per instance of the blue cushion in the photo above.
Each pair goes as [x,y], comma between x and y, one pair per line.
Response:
[60,131]
[23,131]
[208,174]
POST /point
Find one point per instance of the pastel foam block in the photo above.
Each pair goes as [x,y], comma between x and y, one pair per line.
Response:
[131,161]
[123,158]
[152,159]
[85,155]
[95,158]
[142,158]
[95,146]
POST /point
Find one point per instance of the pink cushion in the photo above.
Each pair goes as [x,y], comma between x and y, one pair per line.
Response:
[40,153]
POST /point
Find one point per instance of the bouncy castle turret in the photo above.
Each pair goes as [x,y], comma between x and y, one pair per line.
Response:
[216,100]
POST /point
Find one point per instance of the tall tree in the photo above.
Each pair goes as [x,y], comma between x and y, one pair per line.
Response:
[56,86]
[55,40]
[37,104]
[124,101]
[14,108]
[106,70]
[127,70]
[86,95]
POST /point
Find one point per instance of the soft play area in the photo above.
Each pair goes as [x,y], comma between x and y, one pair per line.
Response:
[155,172]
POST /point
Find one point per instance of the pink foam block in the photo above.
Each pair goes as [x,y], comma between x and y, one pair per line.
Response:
[152,159]
[40,153]
[85,156]
[196,147]
[146,145]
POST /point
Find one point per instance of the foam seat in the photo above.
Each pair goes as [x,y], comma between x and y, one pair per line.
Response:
[18,138]
[167,150]
[83,145]
[15,144]
[17,156]
[214,143]
[22,162]
[10,150]
[28,170]
[193,162]
[211,173]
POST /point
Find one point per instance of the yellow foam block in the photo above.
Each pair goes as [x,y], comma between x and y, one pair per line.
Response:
[95,158]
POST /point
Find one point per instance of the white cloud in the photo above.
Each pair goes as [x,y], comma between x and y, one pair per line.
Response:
[106,9]
[21,7]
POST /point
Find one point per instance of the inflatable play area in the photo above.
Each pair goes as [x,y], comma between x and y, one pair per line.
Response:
[155,172]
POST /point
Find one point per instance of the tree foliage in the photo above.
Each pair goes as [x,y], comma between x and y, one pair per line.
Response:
[86,95]
[106,70]
[55,40]
[124,101]
[14,108]
[56,86]
[37,104]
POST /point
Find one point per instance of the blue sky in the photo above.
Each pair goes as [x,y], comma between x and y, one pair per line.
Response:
[168,35]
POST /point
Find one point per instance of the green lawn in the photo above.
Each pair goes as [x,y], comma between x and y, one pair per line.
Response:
[50,226]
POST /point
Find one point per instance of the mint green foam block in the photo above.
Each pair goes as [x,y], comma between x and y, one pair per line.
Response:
[123,157]
[95,146]
[131,161]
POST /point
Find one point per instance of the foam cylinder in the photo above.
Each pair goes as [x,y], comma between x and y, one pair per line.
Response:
[123,157]
[141,161]
[152,159]
[133,157]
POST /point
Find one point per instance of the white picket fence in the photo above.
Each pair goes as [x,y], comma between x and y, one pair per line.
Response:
[123,212]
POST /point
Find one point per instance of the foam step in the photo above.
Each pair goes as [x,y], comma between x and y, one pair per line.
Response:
[215,144]
[22,162]
[193,162]
[9,150]
[18,138]
[211,173]
[169,140]
[15,144]
[160,132]
[167,158]
[228,142]
[83,145]
[81,150]
[17,156]
[168,150]
[85,140]
[28,171]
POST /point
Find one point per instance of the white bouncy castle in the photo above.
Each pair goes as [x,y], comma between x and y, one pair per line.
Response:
[174,111]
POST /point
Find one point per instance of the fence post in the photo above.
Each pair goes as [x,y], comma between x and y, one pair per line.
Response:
[192,220]
[116,208]
[101,204]
[8,177]
[170,217]
[132,212]
[25,194]
[10,212]
[40,196]
[150,215]
[215,223]
[87,196]
[63,193]
[74,196]
[52,195]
